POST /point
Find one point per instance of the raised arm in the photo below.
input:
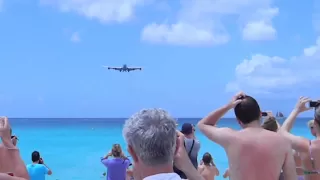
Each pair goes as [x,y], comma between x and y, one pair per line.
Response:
[226,174]
[207,125]
[182,161]
[298,143]
[4,176]
[10,154]
[217,171]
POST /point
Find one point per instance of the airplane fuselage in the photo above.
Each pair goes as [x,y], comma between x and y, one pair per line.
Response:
[125,68]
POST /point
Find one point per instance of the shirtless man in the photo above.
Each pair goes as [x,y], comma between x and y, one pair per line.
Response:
[207,168]
[253,153]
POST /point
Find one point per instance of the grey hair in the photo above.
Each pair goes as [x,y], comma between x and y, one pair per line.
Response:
[152,135]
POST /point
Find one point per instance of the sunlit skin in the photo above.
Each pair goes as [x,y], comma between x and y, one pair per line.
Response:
[251,151]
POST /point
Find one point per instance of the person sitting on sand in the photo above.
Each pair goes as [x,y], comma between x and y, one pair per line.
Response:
[252,148]
[11,161]
[38,169]
[311,127]
[154,143]
[309,149]
[208,169]
[118,165]
[192,146]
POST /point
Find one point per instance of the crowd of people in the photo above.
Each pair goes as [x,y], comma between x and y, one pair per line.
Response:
[161,152]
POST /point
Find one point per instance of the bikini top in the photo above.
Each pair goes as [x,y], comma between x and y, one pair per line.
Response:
[314,171]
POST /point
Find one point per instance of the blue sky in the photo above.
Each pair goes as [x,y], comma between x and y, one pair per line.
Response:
[195,55]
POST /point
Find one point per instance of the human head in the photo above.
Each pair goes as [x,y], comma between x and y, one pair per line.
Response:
[316,122]
[151,138]
[207,158]
[35,156]
[270,124]
[116,150]
[187,129]
[311,127]
[247,111]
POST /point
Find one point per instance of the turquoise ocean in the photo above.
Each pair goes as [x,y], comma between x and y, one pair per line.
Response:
[72,147]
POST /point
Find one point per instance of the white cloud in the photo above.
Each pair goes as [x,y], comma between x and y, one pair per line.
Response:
[261,28]
[268,75]
[103,10]
[75,37]
[201,22]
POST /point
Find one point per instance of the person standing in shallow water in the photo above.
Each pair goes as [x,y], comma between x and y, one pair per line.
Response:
[207,168]
[118,165]
[38,169]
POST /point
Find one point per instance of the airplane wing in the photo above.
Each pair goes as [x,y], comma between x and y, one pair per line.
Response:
[114,68]
[134,68]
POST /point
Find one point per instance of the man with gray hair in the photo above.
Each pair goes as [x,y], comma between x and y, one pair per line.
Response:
[153,144]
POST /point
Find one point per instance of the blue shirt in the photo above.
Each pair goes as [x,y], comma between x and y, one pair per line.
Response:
[37,171]
[117,168]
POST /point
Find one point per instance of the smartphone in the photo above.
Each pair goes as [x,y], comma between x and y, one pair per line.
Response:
[314,103]
[264,114]
[40,161]
[10,174]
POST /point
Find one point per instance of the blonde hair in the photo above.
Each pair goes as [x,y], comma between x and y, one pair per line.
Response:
[310,123]
[116,150]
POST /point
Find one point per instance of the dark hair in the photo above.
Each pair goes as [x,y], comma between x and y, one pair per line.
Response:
[35,156]
[207,158]
[270,124]
[248,110]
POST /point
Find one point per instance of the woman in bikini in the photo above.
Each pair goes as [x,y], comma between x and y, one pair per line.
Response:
[309,150]
[272,124]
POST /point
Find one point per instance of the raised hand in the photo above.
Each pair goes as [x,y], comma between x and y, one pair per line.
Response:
[181,157]
[5,129]
[301,104]
[236,100]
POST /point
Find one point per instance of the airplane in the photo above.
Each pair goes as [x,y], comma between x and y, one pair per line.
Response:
[124,68]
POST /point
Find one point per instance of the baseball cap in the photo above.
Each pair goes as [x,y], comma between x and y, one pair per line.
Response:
[187,128]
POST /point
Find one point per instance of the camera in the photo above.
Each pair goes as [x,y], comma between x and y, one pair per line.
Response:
[314,104]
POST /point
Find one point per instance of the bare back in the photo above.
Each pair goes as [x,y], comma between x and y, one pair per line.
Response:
[256,153]
[307,163]
[298,161]
[207,172]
